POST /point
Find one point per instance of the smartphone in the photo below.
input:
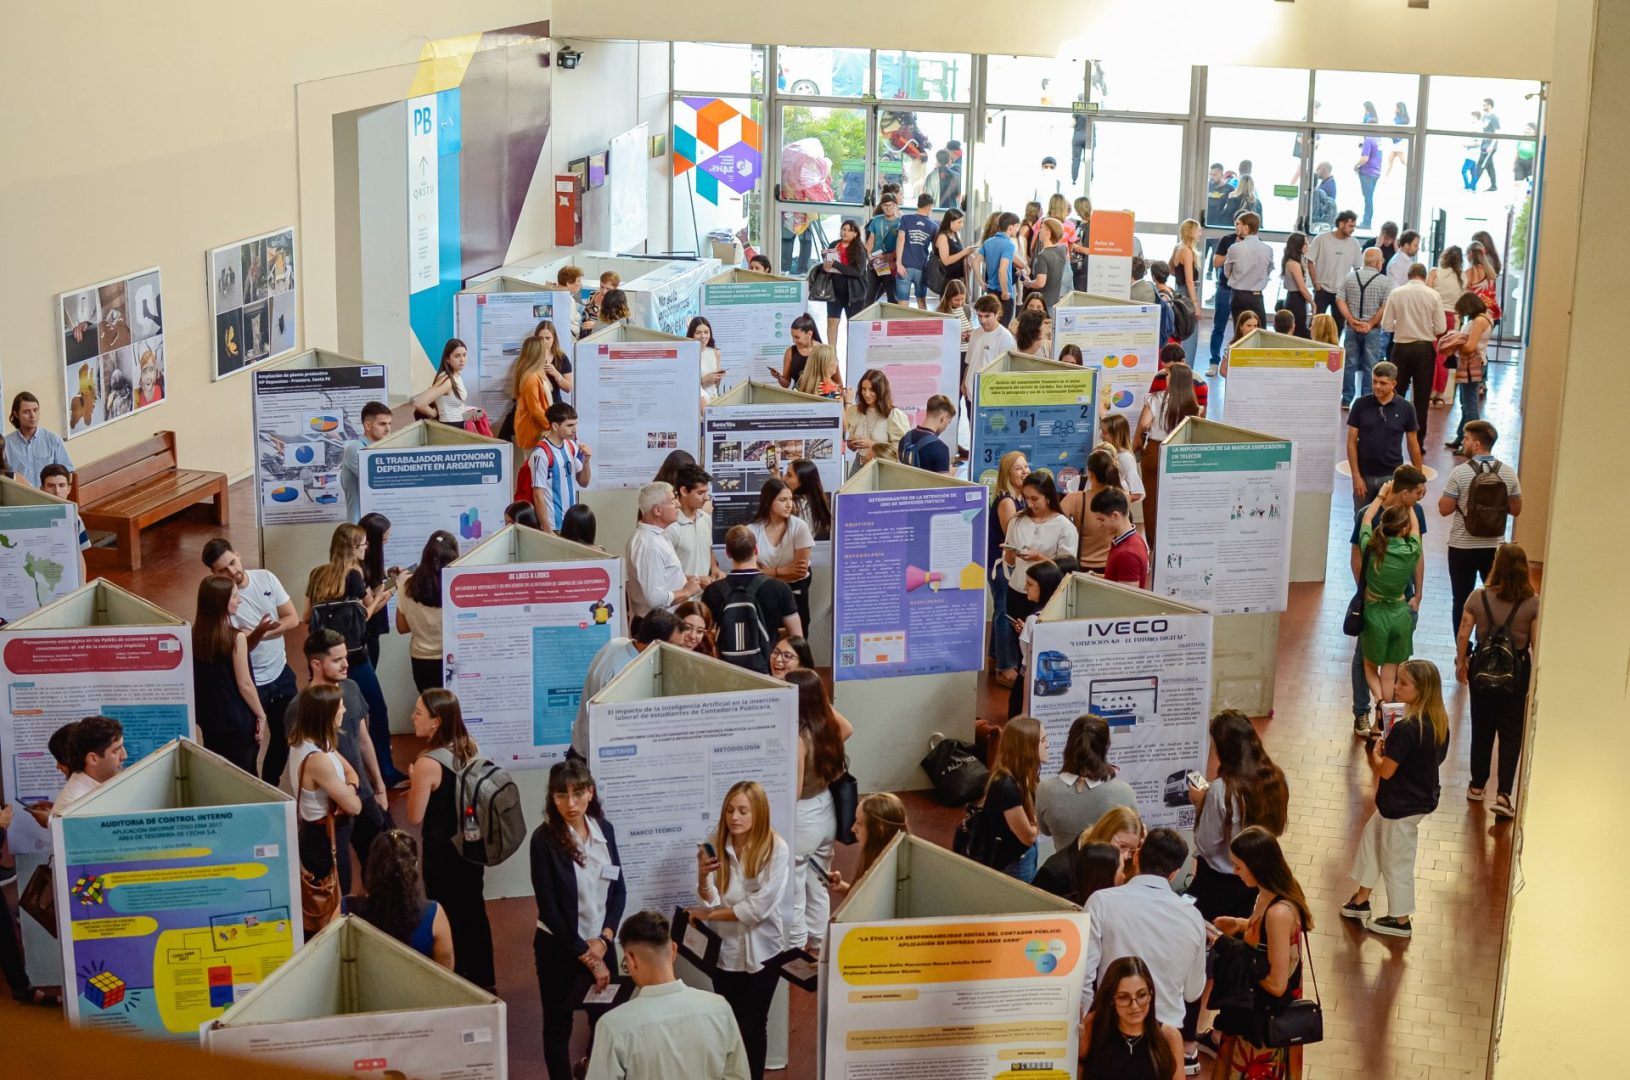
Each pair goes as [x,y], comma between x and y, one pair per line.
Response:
[708,847]
[389,584]
[1197,781]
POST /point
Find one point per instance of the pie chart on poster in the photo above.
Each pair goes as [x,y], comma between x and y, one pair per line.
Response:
[1121,399]
[305,455]
[285,494]
[325,423]
[326,499]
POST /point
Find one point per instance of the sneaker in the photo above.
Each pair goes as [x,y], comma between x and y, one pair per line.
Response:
[1211,373]
[1388,926]
[1345,405]
[1474,794]
[1503,807]
[1452,447]
[1361,725]
[1352,909]
[1191,1064]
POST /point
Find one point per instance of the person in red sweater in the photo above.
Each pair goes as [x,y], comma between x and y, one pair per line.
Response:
[1128,554]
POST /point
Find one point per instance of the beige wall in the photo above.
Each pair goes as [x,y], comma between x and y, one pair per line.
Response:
[140,135]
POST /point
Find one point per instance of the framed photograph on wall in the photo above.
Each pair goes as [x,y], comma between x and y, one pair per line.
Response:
[112,349]
[252,302]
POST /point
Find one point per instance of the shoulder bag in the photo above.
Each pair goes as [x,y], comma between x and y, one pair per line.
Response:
[821,286]
[1352,623]
[1301,1021]
[319,896]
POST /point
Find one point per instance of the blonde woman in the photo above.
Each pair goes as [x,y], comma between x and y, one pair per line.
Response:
[879,818]
[1186,273]
[1006,503]
[1079,249]
[529,386]
[1323,329]
[821,377]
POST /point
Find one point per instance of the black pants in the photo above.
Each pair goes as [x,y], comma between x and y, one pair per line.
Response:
[427,674]
[1216,893]
[1466,567]
[233,738]
[364,828]
[1296,304]
[1485,164]
[749,996]
[314,857]
[1325,300]
[1244,300]
[457,885]
[562,981]
[800,593]
[274,702]
[11,950]
[1019,606]
[1416,362]
[1495,714]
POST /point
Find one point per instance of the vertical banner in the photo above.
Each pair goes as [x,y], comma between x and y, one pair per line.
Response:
[1109,262]
[435,249]
[1150,678]
[303,419]
[167,917]
[663,766]
[39,556]
[979,996]
[1119,341]
[752,322]
[636,404]
[1295,393]
[462,489]
[922,356]
[519,639]
[493,326]
[743,445]
[909,582]
[424,185]
[1049,415]
[112,350]
[1225,513]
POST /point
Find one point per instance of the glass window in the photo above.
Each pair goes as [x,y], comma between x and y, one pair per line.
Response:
[1365,97]
[1029,80]
[1452,101]
[1272,293]
[920,76]
[823,154]
[909,145]
[1453,163]
[1011,168]
[1362,173]
[805,238]
[1128,86]
[717,186]
[1153,190]
[1257,93]
[823,71]
[1268,164]
[721,68]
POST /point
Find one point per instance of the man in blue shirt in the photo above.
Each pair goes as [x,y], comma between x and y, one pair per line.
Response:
[30,447]
[882,232]
[376,424]
[913,241]
[1000,253]
[922,445]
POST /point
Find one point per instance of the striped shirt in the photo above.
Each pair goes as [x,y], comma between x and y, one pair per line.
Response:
[554,470]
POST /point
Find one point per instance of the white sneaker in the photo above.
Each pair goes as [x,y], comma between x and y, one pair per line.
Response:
[1211,372]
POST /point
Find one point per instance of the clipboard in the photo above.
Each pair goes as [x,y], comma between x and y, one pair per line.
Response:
[800,967]
[698,942]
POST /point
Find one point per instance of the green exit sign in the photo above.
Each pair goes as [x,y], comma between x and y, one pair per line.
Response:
[1286,191]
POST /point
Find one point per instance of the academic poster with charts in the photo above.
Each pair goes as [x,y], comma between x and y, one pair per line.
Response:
[1051,416]
[752,324]
[462,490]
[39,556]
[303,419]
[743,444]
[637,403]
[493,327]
[1225,516]
[1119,341]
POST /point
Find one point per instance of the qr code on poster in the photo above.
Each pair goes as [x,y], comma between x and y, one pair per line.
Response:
[846,658]
[846,641]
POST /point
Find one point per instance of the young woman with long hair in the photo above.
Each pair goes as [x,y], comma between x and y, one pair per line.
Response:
[230,716]
[804,478]
[1041,581]
[323,781]
[789,654]
[1449,279]
[1471,361]
[578,884]
[529,388]
[396,901]
[847,265]
[1122,829]
[1406,759]
[374,575]
[743,873]
[444,399]
[1293,276]
[418,608]
[696,631]
[578,525]
[1006,503]
[613,308]
[712,366]
[822,731]
[1007,813]
[785,541]
[805,336]
[873,420]
[1085,787]
[954,302]
[1163,411]
[1507,599]
[947,244]
[1115,434]
[1102,471]
[1121,1039]
[1186,273]
[432,804]
[879,818]
[1249,789]
[1391,543]
[821,377]
[1323,330]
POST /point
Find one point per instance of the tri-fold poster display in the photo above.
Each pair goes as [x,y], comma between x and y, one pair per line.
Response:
[1046,409]
[430,476]
[920,352]
[493,320]
[751,315]
[638,395]
[39,549]
[1119,339]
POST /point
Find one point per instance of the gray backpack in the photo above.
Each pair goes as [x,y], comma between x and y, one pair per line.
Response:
[490,826]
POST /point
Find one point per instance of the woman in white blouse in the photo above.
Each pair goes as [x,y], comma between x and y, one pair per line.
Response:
[785,542]
[712,367]
[445,398]
[322,781]
[873,420]
[742,875]
[1041,533]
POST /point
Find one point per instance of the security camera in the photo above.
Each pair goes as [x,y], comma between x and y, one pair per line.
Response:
[568,57]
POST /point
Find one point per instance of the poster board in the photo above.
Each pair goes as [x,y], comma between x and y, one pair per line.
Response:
[1045,408]
[909,574]
[493,321]
[1110,251]
[430,476]
[938,966]
[1224,537]
[178,891]
[39,549]
[637,394]
[355,1000]
[112,336]
[253,306]
[1118,338]
[626,172]
[664,291]
[919,351]
[1141,662]
[522,616]
[751,314]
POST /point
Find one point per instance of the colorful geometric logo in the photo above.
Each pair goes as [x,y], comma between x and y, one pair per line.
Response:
[720,143]
[469,524]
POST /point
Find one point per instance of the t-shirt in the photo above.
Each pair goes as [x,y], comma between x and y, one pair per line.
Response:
[1128,560]
[1054,537]
[773,597]
[1382,431]
[926,450]
[554,470]
[1413,789]
[1458,488]
[1371,153]
[919,232]
[350,741]
[1002,847]
[424,624]
[259,598]
[1356,540]
[882,231]
[774,556]
[1055,263]
[1333,258]
[993,251]
[692,538]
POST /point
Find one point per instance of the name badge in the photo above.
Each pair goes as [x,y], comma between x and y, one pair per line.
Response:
[611,871]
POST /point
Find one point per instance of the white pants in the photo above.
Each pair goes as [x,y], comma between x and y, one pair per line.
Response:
[815,827]
[1386,855]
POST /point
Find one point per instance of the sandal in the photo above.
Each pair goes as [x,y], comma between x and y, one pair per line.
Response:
[34,995]
[1210,1042]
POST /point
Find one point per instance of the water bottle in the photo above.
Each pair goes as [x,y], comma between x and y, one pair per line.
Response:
[472,830]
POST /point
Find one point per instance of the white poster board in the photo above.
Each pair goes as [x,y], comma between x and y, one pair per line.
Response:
[493,322]
[751,315]
[305,411]
[666,297]
[461,487]
[636,402]
[919,351]
[253,305]
[39,550]
[743,444]
[1291,387]
[626,189]
[1119,339]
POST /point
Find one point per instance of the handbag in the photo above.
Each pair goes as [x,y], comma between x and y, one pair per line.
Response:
[845,791]
[1301,1021]
[955,770]
[934,272]
[1352,623]
[821,286]
[319,896]
[38,898]
[478,425]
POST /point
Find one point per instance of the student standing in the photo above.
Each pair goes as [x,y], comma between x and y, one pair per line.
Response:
[1006,503]
[873,421]
[323,783]
[1128,559]
[922,445]
[1407,488]
[1249,789]
[1123,1038]
[1040,533]
[418,609]
[879,818]
[1163,411]
[712,367]
[537,382]
[987,341]
[1331,257]
[265,613]
[1380,427]
[845,263]
[376,424]
[1085,788]
[608,663]
[559,468]
[1293,278]
[822,731]
[1249,265]
[1392,554]
[749,607]
[230,716]
[1448,280]
[785,543]
[1000,254]
[882,236]
[1471,366]
[444,399]
[805,336]
[375,576]
[1503,614]
[1092,547]
[912,244]
[1415,321]
[1480,510]
[326,665]
[1006,827]
[692,530]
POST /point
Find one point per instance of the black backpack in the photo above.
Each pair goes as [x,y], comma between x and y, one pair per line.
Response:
[1488,501]
[348,618]
[743,640]
[1496,665]
[1183,319]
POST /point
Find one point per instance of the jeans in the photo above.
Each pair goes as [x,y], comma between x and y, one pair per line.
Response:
[1361,689]
[1372,488]
[379,722]
[1219,321]
[1004,643]
[1469,171]
[1366,182]
[1386,856]
[1324,300]
[912,282]
[1496,714]
[275,697]
[815,829]
[1364,351]
[1024,867]
[1466,567]
[1471,407]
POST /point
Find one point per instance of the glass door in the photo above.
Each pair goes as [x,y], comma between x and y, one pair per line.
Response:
[922,150]
[1262,169]
[823,174]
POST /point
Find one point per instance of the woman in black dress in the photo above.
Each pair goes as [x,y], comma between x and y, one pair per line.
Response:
[1120,1038]
[230,717]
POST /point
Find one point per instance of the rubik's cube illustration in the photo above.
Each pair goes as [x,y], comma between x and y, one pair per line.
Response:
[469,524]
[220,987]
[104,990]
[88,889]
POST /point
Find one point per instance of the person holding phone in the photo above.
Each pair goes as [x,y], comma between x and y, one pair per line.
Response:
[1249,790]
[742,875]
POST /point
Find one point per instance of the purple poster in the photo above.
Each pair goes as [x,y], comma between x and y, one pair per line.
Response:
[909,582]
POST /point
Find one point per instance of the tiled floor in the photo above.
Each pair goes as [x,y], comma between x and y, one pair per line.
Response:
[1400,1010]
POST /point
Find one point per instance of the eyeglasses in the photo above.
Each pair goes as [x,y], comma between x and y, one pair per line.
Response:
[1127,1001]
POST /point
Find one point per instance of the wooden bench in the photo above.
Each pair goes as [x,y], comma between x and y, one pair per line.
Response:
[139,486]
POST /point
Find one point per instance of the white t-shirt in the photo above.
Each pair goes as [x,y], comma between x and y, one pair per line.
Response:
[1054,537]
[710,364]
[1131,474]
[1458,488]
[775,556]
[260,598]
[692,538]
[1333,258]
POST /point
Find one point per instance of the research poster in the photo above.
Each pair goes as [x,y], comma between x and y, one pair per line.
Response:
[752,324]
[743,445]
[112,336]
[921,357]
[993,997]
[1296,394]
[167,917]
[1225,514]
[493,326]
[663,767]
[460,489]
[668,297]
[909,582]
[1150,678]
[1051,416]
[1109,258]
[1119,341]
[462,1042]
[303,419]
[636,404]
[39,556]
[253,306]
[518,642]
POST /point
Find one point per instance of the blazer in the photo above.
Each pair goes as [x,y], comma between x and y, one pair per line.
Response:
[554,886]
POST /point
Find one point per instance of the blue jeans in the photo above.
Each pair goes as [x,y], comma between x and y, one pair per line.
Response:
[1361,689]
[1004,643]
[1024,867]
[1222,305]
[379,721]
[1471,406]
[1364,351]
[1366,183]
[903,286]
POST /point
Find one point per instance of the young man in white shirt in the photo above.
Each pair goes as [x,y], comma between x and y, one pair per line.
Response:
[692,530]
[1414,318]
[1331,257]
[376,424]
[986,341]
[96,754]
[656,579]
[266,613]
[1409,245]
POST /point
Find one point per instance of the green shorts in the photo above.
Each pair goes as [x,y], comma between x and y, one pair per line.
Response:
[1389,632]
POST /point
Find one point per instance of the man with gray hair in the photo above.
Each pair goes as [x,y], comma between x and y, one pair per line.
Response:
[656,578]
[1362,299]
[1380,427]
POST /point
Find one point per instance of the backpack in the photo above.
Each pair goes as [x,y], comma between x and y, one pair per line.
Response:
[1496,664]
[1183,320]
[911,446]
[955,770]
[743,640]
[348,618]
[1488,502]
[1168,320]
[490,826]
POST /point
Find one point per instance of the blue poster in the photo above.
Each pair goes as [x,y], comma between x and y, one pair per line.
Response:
[909,582]
[461,489]
[1050,416]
